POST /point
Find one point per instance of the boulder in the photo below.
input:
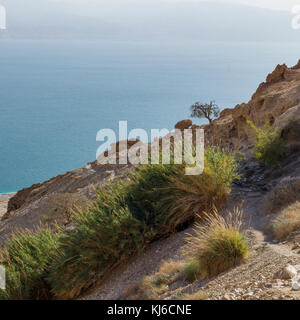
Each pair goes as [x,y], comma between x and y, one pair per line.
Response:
[184,124]
[288,272]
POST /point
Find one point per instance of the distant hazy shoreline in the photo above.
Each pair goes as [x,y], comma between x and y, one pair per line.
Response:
[5,196]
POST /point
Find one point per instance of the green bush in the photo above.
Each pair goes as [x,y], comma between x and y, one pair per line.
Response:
[103,236]
[269,146]
[145,191]
[27,258]
[187,196]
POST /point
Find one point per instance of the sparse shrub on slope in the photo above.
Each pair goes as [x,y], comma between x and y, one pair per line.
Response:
[27,258]
[287,221]
[269,146]
[283,194]
[153,286]
[218,244]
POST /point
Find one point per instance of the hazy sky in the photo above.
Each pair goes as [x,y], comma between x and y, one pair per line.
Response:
[272,4]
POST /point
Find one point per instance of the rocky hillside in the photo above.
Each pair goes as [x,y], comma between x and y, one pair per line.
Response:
[276,100]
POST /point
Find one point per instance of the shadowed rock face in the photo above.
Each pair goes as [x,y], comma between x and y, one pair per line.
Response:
[271,101]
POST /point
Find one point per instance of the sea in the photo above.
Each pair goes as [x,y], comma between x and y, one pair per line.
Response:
[56,95]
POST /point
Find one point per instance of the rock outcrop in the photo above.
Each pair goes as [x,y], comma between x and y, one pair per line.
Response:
[275,101]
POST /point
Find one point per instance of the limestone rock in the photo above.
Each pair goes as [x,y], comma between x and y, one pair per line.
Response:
[289,272]
[184,124]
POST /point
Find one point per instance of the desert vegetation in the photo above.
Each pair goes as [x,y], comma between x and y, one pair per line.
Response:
[125,218]
[205,110]
[27,258]
[153,286]
[269,146]
[216,245]
[287,221]
[283,194]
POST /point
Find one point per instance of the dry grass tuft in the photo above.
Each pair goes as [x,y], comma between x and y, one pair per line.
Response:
[287,221]
[153,286]
[283,194]
[199,295]
[218,244]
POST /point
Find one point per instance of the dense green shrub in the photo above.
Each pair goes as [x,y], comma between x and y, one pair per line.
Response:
[103,236]
[269,146]
[188,196]
[26,258]
[145,191]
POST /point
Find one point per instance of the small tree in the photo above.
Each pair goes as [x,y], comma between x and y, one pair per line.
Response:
[205,110]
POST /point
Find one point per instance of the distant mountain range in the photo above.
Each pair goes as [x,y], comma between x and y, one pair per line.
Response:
[146,21]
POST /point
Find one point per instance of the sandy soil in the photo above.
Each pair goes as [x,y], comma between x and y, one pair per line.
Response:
[3,203]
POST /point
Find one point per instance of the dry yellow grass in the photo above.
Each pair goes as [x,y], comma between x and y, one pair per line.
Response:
[287,221]
[153,286]
[218,244]
[283,194]
[199,295]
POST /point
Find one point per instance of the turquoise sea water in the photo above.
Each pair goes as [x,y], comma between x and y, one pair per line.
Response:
[56,95]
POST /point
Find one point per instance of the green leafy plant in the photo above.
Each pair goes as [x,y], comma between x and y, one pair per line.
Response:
[269,146]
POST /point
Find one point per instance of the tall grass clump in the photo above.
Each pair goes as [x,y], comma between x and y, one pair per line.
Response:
[287,221]
[27,258]
[145,191]
[269,146]
[102,237]
[218,244]
[187,196]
